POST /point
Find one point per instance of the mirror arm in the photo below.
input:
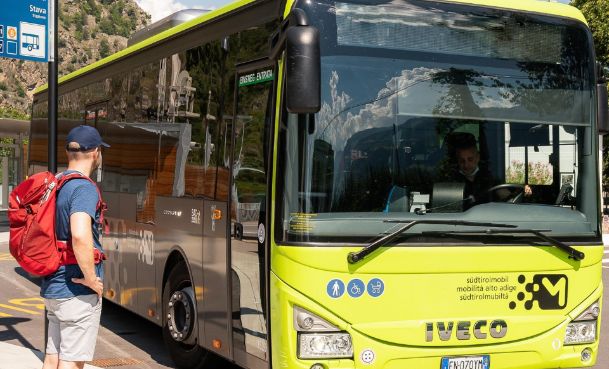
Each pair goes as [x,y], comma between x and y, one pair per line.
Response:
[297,18]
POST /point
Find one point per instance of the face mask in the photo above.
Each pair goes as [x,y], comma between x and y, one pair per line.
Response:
[470,175]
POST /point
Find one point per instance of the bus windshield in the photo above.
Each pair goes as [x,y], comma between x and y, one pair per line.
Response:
[442,111]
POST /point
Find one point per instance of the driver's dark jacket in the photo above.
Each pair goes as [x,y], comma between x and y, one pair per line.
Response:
[478,188]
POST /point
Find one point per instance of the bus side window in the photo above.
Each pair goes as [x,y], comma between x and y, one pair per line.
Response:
[198,94]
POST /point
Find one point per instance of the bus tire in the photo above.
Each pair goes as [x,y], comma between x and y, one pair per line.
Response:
[184,355]
[239,231]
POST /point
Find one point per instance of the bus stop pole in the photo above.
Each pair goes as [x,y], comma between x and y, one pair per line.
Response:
[53,90]
[52,106]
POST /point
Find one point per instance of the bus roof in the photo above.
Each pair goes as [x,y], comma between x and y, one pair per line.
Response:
[533,6]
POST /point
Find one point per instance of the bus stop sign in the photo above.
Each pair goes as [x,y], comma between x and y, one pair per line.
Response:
[24,30]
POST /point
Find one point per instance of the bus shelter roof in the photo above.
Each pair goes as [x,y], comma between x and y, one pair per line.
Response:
[13,127]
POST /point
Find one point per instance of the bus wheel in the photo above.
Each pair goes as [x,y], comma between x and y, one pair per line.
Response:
[239,231]
[179,320]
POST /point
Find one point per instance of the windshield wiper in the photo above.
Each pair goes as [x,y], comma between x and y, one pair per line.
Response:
[573,253]
[354,257]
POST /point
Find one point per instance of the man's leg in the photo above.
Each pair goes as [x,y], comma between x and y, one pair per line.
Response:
[71,364]
[51,361]
[79,318]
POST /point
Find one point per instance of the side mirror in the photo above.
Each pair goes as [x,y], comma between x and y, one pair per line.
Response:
[602,105]
[602,109]
[303,70]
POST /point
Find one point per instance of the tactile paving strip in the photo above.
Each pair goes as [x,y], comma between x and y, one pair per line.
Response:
[107,363]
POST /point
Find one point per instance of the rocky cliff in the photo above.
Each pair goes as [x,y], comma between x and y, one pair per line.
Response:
[89,30]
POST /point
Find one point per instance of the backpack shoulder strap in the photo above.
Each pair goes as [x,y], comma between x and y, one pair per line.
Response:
[64,178]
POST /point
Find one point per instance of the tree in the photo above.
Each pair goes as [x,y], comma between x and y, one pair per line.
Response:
[104,48]
[596,12]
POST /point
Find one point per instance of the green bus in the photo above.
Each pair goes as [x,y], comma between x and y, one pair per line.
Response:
[283,183]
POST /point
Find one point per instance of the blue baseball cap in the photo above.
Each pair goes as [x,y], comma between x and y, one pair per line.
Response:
[87,137]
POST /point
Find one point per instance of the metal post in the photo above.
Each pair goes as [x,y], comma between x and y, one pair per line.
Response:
[53,89]
[53,107]
[5,179]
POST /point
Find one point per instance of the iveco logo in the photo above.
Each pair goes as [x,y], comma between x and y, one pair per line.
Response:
[480,330]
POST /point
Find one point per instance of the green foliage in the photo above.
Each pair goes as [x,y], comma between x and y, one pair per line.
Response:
[90,7]
[104,48]
[106,26]
[539,173]
[121,20]
[20,90]
[3,86]
[596,12]
[13,113]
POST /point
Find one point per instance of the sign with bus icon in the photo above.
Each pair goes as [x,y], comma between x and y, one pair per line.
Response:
[30,41]
[24,30]
[31,37]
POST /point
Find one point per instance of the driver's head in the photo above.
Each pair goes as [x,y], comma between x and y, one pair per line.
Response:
[467,154]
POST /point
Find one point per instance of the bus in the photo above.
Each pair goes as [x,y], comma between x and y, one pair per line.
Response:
[30,42]
[333,126]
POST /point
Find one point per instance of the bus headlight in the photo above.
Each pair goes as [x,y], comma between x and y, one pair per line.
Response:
[305,321]
[318,338]
[583,328]
[324,345]
[580,332]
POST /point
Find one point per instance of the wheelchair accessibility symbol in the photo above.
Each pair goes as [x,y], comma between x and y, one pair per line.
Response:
[356,288]
[376,287]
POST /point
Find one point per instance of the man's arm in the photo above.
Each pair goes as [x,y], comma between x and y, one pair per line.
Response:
[82,244]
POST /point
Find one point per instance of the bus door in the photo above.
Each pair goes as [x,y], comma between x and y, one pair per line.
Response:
[251,136]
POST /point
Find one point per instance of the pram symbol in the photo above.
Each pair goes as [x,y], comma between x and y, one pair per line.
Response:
[375,287]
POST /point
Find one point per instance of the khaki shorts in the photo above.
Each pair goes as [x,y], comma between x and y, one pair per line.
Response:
[73,326]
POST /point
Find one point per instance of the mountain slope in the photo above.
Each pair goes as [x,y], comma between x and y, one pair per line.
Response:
[89,30]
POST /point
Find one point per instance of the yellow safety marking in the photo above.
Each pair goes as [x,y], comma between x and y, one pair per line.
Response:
[20,309]
[36,302]
[4,315]
[6,257]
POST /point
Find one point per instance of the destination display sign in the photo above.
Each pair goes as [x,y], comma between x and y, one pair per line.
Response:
[256,78]
[24,30]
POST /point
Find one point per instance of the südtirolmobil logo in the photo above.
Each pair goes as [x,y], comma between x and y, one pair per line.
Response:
[550,291]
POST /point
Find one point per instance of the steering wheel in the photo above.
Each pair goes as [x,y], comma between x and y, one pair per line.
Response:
[516,192]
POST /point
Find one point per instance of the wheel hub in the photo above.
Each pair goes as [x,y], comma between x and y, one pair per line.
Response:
[181,314]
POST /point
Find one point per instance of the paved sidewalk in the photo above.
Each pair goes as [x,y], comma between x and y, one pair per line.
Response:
[17,357]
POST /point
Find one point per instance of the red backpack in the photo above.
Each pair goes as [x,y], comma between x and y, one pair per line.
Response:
[31,214]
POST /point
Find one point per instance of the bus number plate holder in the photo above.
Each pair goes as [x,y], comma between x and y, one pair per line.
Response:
[466,362]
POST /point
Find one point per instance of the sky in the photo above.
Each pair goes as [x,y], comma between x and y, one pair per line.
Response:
[162,8]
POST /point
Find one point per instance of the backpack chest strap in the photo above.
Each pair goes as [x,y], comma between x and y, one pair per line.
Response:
[68,257]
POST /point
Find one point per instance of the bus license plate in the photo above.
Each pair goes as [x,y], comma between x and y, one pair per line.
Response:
[466,362]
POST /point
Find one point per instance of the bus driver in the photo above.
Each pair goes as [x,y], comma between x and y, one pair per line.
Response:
[477,181]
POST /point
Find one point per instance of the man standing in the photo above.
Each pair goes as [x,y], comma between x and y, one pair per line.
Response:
[73,294]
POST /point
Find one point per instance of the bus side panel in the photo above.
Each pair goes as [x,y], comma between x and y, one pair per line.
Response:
[110,241]
[215,277]
[179,226]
